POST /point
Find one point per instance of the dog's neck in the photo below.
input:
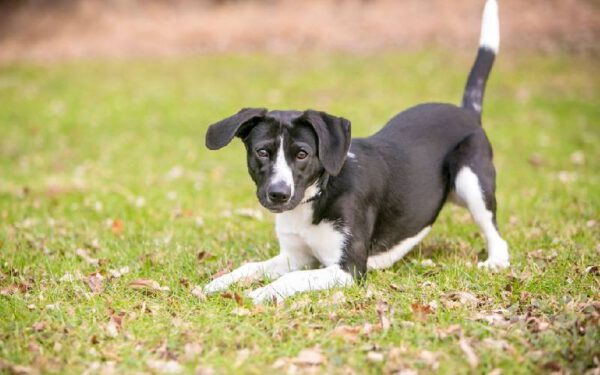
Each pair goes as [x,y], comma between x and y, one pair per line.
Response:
[315,191]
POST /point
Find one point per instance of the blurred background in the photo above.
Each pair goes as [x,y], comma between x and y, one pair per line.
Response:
[104,180]
[39,29]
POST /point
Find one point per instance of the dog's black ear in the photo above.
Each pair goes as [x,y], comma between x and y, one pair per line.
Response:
[220,134]
[333,135]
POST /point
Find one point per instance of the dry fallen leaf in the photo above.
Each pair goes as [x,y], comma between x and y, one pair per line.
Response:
[39,326]
[348,333]
[115,324]
[382,312]
[460,298]
[117,226]
[165,367]
[198,293]
[203,255]
[536,325]
[466,347]
[234,296]
[310,357]
[148,285]
[420,311]
[116,273]
[221,272]
[493,319]
[96,282]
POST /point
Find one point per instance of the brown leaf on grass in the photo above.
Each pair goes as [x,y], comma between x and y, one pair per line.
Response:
[222,272]
[451,330]
[234,296]
[164,367]
[148,285]
[164,352]
[198,293]
[116,273]
[470,354]
[9,290]
[14,288]
[542,254]
[536,325]
[115,323]
[493,319]
[382,311]
[16,369]
[203,255]
[593,270]
[459,298]
[39,326]
[96,282]
[348,333]
[310,357]
[86,257]
[117,226]
[420,311]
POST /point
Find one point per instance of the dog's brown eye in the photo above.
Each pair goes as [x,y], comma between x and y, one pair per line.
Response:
[262,153]
[301,155]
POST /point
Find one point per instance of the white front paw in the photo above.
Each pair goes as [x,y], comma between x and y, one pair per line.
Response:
[494,264]
[265,294]
[217,285]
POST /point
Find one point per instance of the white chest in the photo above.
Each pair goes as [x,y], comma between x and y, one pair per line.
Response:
[323,241]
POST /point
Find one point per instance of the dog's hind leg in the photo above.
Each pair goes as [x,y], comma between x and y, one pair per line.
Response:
[474,181]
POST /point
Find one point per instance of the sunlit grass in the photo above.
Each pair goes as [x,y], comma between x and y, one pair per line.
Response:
[85,144]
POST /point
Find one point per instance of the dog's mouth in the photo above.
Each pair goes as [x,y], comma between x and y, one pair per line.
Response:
[278,208]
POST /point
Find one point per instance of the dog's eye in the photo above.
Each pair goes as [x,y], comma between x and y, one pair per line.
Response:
[301,155]
[262,153]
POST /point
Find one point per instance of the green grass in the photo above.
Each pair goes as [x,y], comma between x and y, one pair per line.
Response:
[83,143]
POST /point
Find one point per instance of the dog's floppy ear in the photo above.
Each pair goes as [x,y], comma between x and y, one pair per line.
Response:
[220,134]
[333,135]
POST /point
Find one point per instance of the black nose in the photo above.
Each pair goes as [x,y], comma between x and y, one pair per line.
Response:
[279,192]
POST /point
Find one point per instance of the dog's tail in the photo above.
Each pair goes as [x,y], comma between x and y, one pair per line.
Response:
[489,43]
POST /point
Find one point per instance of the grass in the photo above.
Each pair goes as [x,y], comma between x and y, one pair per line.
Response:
[109,157]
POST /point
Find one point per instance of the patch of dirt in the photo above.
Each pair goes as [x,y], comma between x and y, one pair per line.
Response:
[41,30]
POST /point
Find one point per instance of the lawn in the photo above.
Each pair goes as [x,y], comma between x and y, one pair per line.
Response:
[112,211]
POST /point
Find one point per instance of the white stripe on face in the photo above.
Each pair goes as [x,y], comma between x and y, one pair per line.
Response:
[282,171]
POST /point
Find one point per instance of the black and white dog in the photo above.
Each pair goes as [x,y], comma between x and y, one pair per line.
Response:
[353,205]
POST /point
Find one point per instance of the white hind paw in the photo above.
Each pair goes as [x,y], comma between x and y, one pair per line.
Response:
[494,264]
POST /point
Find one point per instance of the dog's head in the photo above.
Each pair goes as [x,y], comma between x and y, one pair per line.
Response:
[287,151]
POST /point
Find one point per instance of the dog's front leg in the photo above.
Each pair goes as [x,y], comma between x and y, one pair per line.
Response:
[293,256]
[301,281]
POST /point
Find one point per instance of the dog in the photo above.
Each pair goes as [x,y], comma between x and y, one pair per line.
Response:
[353,205]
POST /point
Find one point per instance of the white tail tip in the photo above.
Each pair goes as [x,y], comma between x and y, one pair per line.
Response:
[490,27]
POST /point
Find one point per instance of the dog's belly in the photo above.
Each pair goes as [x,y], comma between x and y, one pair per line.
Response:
[323,241]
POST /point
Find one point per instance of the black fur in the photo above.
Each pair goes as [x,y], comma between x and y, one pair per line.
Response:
[397,180]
